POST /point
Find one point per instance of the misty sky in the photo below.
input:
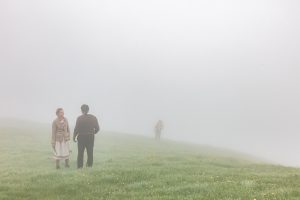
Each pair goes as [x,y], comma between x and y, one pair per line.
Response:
[223,73]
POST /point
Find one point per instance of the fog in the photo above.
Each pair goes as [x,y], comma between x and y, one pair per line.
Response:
[222,73]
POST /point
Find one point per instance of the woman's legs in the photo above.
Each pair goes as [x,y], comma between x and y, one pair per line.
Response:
[57,164]
[67,163]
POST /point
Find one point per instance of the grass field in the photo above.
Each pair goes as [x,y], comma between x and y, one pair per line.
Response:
[135,167]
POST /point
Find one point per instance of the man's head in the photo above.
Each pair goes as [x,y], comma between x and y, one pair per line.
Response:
[85,109]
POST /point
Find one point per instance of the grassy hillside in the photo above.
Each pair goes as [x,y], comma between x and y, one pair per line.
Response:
[133,167]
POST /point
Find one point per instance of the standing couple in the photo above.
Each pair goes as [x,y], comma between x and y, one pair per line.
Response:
[86,127]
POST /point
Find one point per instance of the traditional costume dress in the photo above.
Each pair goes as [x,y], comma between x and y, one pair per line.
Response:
[60,139]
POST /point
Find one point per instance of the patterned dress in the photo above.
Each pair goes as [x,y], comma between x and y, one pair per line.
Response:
[60,139]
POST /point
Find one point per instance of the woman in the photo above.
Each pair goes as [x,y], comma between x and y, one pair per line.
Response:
[61,138]
[158,128]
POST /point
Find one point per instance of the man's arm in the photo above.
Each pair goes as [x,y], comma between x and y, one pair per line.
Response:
[75,131]
[97,127]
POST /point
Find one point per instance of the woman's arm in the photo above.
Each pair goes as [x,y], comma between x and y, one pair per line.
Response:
[53,139]
[68,135]
[68,127]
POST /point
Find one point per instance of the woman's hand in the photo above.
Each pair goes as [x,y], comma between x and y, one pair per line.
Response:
[53,147]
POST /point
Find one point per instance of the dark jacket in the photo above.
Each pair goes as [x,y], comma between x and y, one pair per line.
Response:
[86,125]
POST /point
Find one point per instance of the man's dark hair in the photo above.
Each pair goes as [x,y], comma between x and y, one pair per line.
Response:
[85,109]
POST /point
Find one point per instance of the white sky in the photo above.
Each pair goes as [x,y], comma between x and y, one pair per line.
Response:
[224,73]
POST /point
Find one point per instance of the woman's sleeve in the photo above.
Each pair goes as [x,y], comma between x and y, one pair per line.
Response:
[68,136]
[68,127]
[53,133]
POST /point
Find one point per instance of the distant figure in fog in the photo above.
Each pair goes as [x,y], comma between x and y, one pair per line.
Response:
[158,128]
[60,138]
[86,127]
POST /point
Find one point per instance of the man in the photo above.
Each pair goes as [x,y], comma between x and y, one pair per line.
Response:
[158,128]
[86,127]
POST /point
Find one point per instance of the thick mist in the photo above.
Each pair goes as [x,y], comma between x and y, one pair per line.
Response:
[223,73]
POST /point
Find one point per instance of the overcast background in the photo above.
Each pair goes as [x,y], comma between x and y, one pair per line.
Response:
[223,73]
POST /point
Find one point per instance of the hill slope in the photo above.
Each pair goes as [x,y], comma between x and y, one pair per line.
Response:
[134,167]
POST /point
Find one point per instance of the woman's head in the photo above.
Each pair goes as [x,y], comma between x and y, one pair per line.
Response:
[60,112]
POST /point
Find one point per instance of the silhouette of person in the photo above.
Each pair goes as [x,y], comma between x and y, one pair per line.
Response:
[158,128]
[86,127]
[60,138]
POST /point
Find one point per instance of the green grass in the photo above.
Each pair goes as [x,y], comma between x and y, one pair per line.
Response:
[134,167]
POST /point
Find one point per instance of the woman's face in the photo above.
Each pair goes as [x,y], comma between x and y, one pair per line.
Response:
[60,114]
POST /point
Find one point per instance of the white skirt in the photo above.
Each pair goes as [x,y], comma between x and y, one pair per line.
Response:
[62,150]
